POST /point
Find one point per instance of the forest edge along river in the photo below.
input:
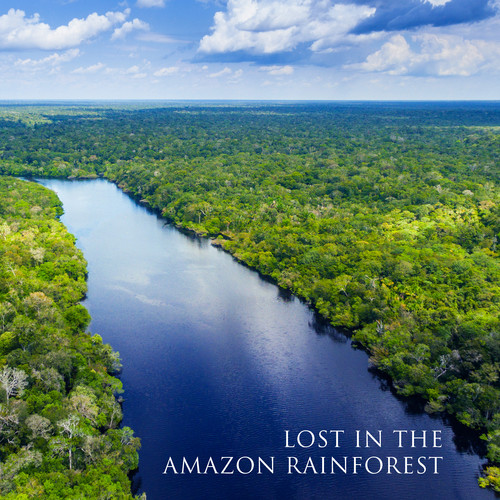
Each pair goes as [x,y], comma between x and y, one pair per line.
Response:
[218,362]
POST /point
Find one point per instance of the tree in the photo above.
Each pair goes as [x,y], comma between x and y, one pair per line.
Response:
[67,441]
[39,426]
[13,381]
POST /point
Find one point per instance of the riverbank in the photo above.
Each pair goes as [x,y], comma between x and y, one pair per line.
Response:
[59,417]
[383,216]
[218,362]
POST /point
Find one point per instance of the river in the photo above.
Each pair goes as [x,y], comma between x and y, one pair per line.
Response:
[218,362]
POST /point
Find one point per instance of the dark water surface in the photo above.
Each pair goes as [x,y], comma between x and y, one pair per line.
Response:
[219,363]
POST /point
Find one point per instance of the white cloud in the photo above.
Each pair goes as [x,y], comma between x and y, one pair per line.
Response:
[452,55]
[222,72]
[270,26]
[277,70]
[89,69]
[236,76]
[437,3]
[439,55]
[150,3]
[53,60]
[166,71]
[394,56]
[20,32]
[128,27]
[132,70]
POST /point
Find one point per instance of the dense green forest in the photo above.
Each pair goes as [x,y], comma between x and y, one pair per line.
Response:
[385,217]
[59,417]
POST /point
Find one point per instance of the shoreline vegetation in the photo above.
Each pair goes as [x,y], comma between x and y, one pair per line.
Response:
[59,416]
[385,217]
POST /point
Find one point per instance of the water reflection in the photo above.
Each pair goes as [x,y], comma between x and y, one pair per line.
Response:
[285,295]
[217,361]
[323,328]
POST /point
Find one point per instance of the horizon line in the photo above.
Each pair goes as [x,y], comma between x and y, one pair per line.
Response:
[146,100]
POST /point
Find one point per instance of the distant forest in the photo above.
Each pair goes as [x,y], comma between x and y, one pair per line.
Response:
[384,217]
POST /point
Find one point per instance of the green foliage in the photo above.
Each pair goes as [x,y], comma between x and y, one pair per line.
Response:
[385,217]
[58,411]
[491,479]
[77,317]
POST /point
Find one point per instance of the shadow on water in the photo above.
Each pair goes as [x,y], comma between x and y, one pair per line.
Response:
[465,439]
[285,295]
[225,361]
[136,480]
[324,329]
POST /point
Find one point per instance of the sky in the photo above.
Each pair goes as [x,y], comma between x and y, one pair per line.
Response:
[250,49]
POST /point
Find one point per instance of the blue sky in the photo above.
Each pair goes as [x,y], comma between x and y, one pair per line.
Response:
[250,49]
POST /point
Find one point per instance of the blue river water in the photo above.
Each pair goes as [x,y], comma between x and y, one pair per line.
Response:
[218,362]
